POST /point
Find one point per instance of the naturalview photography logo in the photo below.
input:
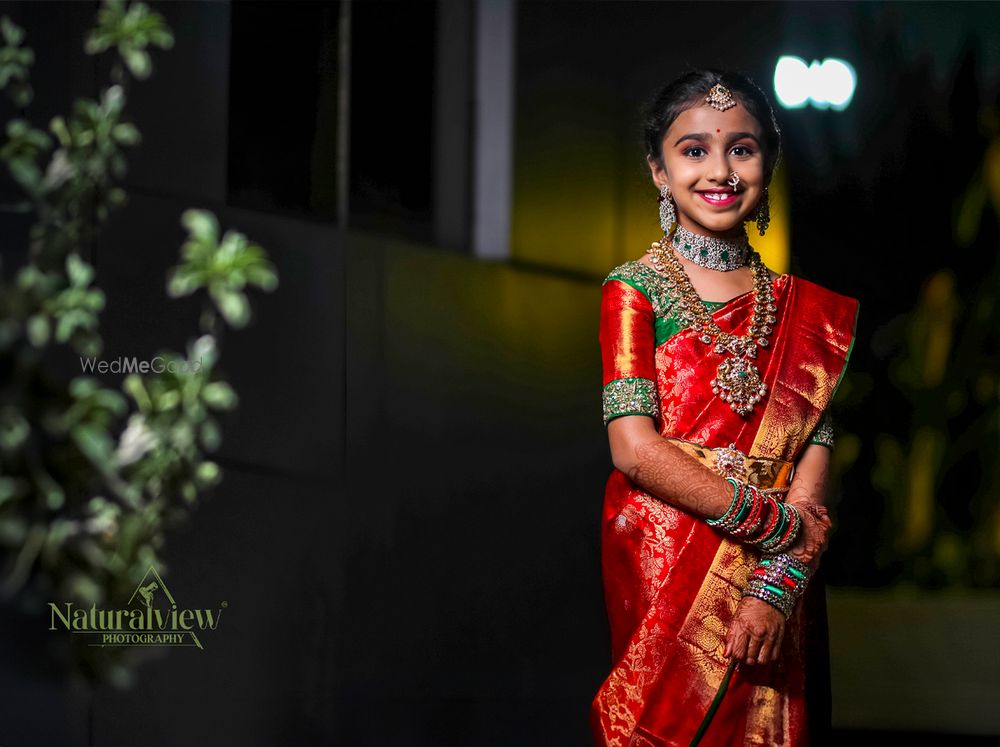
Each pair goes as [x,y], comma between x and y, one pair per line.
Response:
[156,364]
[141,623]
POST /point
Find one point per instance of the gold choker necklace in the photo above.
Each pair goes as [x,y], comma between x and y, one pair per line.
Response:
[737,381]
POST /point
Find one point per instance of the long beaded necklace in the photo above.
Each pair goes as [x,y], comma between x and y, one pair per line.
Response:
[738,380]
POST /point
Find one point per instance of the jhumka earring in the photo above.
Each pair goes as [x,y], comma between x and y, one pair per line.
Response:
[763,213]
[667,215]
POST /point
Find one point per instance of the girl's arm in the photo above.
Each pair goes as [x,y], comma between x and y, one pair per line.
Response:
[665,471]
[754,636]
[674,476]
[809,486]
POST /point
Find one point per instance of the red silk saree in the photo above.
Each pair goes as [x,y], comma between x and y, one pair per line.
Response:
[671,582]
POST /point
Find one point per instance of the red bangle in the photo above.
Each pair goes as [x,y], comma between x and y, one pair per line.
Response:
[775,517]
[750,523]
[793,525]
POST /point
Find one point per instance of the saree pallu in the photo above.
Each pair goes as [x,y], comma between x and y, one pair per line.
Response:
[672,583]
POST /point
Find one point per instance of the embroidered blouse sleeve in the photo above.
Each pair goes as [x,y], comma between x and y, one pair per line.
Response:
[627,340]
[823,433]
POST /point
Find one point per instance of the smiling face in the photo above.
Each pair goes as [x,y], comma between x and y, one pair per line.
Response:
[700,150]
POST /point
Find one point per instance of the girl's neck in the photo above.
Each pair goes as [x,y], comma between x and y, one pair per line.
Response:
[736,233]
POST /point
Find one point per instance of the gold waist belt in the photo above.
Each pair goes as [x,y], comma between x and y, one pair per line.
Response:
[771,475]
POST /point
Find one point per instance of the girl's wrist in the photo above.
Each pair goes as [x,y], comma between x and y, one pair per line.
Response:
[757,518]
[779,580]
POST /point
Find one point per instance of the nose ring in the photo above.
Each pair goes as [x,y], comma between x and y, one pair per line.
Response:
[733,180]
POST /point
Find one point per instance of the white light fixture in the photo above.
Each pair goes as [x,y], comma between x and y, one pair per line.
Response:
[828,84]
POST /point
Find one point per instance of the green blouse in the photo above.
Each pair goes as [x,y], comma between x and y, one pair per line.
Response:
[620,393]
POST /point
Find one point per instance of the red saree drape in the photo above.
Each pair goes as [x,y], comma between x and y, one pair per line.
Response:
[672,583]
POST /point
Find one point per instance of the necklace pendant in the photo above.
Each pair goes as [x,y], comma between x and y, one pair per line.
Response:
[739,383]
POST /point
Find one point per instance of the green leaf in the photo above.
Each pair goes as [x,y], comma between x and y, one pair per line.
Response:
[96,43]
[54,495]
[58,127]
[168,400]
[201,224]
[14,429]
[211,435]
[262,276]
[161,37]
[207,473]
[218,395]
[126,134]
[181,282]
[110,400]
[38,330]
[83,387]
[204,349]
[80,273]
[12,34]
[26,173]
[67,323]
[233,306]
[138,62]
[134,386]
[96,444]
[84,589]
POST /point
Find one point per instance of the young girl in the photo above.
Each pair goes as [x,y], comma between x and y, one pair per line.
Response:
[718,374]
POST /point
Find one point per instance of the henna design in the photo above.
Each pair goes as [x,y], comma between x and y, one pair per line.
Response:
[816,523]
[755,632]
[799,491]
[670,474]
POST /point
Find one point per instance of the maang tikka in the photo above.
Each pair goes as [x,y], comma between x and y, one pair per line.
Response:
[720,98]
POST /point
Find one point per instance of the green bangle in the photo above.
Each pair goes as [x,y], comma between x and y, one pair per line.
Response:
[778,530]
[737,501]
[778,580]
[786,540]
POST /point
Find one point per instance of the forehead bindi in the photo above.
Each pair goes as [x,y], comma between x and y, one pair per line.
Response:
[710,124]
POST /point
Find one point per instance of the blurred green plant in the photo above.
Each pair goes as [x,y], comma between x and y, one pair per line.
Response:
[948,370]
[91,477]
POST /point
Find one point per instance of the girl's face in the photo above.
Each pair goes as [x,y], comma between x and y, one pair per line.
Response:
[700,150]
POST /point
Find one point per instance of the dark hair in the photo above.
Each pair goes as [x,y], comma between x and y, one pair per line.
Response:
[690,89]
